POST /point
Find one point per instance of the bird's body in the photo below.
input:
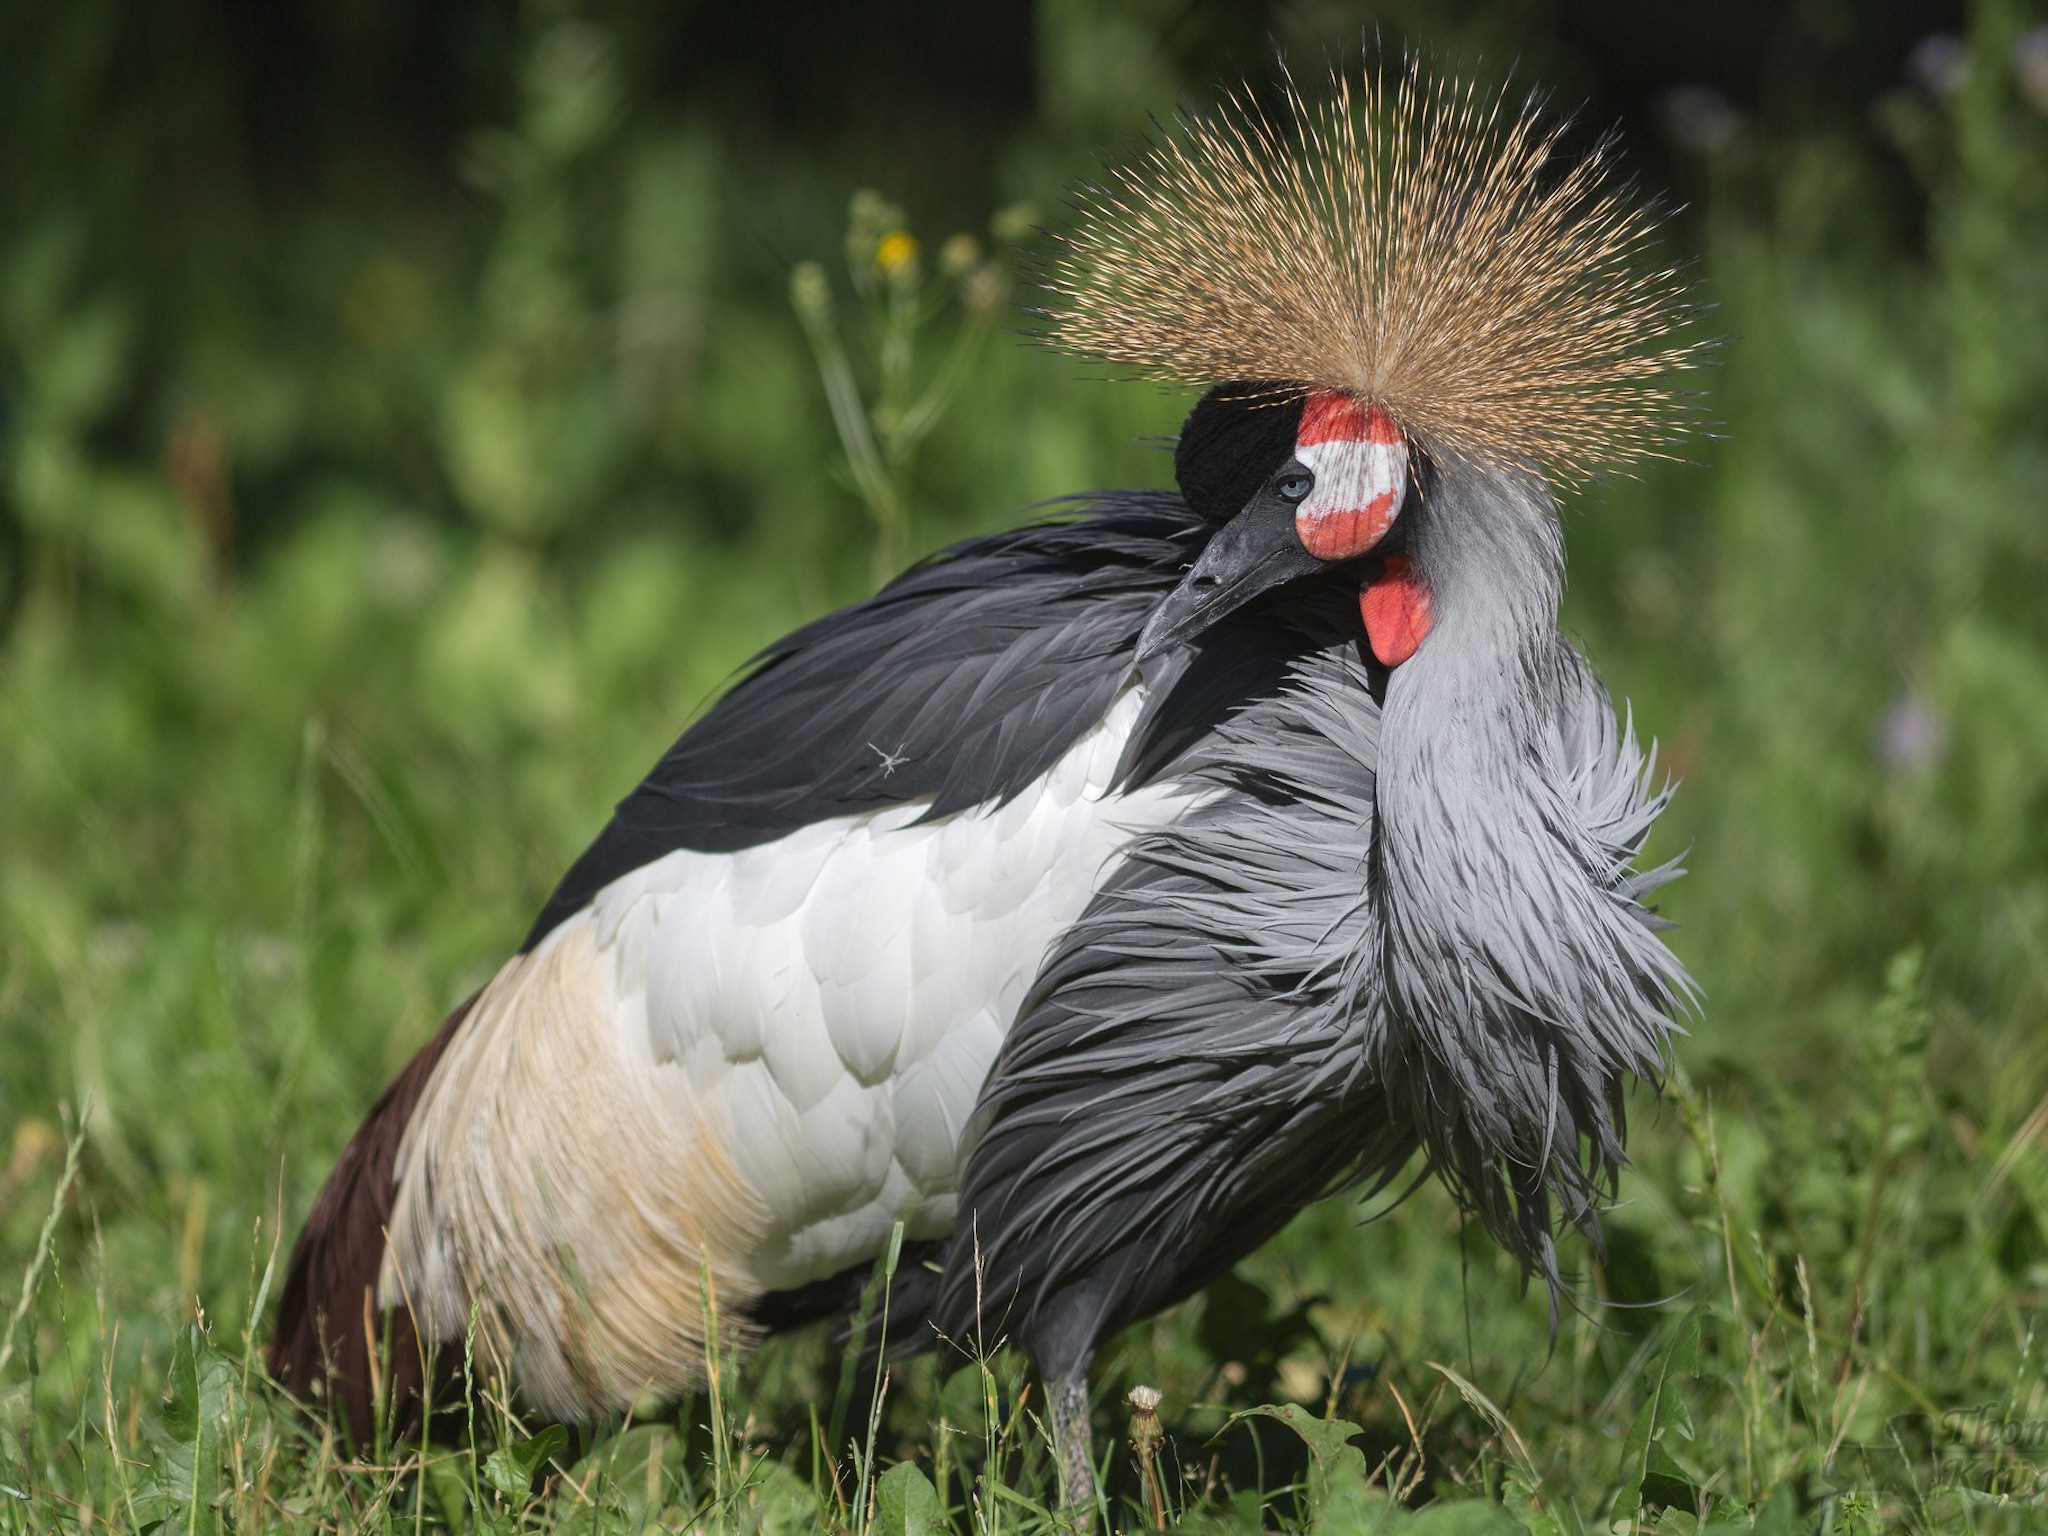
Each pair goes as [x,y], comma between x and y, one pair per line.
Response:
[751,1054]
[1090,900]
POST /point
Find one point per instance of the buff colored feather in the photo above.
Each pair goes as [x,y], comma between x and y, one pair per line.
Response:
[1415,246]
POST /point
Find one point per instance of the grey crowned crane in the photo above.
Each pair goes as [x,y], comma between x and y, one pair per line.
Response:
[1101,893]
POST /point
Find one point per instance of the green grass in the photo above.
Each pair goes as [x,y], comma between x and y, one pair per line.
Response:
[342,610]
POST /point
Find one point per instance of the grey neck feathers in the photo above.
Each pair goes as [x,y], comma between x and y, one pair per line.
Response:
[1523,977]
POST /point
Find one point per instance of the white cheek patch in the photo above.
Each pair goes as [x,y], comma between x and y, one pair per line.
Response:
[1360,462]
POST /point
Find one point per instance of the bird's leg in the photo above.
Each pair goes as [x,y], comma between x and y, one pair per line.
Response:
[1068,1396]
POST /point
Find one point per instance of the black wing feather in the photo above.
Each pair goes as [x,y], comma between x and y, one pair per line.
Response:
[959,683]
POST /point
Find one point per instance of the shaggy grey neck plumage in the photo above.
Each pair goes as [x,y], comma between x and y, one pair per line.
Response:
[1521,974]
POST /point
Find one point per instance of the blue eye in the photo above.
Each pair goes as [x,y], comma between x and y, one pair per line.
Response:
[1294,485]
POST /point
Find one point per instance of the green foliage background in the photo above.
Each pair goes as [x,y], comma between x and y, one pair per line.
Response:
[358,550]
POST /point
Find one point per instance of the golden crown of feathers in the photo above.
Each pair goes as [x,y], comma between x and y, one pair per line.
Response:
[1410,247]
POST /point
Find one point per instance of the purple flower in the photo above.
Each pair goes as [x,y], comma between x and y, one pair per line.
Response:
[1700,118]
[1912,735]
[2030,67]
[1938,64]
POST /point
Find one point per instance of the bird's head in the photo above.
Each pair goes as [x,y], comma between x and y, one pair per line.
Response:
[1301,481]
[1402,275]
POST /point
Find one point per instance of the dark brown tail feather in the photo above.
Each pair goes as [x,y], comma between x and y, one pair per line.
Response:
[328,1321]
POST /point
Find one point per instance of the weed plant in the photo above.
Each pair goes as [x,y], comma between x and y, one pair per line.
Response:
[337,608]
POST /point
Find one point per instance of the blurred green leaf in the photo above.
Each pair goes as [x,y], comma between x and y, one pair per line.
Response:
[510,1469]
[181,1492]
[1651,1476]
[1462,1517]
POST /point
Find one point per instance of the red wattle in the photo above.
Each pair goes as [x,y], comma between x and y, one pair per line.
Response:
[1396,612]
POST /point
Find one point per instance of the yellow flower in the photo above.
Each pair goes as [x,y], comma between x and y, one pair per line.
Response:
[895,252]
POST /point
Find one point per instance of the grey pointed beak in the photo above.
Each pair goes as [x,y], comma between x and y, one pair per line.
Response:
[1254,552]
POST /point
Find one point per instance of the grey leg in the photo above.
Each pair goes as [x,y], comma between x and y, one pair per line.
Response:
[1069,1398]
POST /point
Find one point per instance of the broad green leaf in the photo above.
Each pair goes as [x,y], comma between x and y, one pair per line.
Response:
[1682,1357]
[778,1502]
[1467,1517]
[182,1491]
[510,1468]
[1339,1494]
[905,1503]
[1779,1516]
[447,1478]
[1539,1515]
[1649,1473]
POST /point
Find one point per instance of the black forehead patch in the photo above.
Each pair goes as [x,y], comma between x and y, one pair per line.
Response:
[1237,436]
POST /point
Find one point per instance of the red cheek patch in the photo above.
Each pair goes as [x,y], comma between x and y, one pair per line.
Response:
[1396,612]
[1340,535]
